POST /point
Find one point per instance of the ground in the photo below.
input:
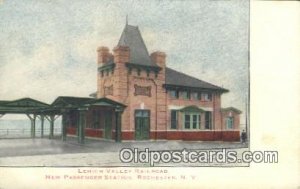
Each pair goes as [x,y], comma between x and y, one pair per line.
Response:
[45,152]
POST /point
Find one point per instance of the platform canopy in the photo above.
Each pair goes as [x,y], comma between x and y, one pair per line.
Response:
[66,102]
[22,106]
[32,106]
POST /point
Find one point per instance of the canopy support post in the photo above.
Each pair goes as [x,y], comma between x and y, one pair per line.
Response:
[64,125]
[82,124]
[32,120]
[51,119]
[42,118]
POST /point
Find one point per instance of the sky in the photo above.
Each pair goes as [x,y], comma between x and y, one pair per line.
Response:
[48,47]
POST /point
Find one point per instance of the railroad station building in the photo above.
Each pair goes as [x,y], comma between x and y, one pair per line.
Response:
[160,102]
[140,97]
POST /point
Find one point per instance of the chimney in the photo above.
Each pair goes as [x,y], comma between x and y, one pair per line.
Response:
[121,54]
[103,55]
[159,58]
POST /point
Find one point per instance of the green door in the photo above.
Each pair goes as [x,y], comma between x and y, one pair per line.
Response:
[107,125]
[142,124]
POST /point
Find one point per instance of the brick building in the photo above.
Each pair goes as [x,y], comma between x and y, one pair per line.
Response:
[157,102]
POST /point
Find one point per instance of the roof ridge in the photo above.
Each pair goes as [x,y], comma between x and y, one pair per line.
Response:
[72,97]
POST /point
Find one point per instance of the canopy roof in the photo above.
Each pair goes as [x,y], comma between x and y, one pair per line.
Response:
[77,102]
[23,105]
[32,106]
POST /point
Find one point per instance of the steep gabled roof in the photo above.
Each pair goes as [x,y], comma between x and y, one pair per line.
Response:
[175,78]
[132,38]
[139,57]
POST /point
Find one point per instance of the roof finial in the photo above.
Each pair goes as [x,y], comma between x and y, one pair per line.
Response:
[126,19]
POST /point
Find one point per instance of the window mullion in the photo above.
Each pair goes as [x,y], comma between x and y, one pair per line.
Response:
[191,121]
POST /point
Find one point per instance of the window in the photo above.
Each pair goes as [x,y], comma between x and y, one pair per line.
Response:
[192,120]
[207,96]
[207,120]
[196,96]
[173,94]
[174,119]
[185,95]
[195,121]
[199,96]
[142,113]
[187,119]
[229,122]
[139,72]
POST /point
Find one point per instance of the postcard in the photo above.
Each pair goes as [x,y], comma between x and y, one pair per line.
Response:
[95,94]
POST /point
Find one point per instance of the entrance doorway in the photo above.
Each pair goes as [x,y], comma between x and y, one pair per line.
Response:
[142,124]
[107,125]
